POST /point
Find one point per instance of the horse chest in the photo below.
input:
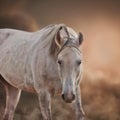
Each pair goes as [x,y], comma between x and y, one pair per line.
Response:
[52,83]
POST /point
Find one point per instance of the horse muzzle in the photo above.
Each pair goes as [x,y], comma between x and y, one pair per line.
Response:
[68,98]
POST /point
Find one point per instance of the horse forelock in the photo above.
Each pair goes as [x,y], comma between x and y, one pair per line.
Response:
[69,43]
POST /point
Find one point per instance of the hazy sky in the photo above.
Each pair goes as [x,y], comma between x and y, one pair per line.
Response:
[72,12]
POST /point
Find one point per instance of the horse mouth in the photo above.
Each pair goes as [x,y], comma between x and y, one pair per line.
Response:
[68,101]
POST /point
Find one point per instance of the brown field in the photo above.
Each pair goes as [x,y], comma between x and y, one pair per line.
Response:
[101,101]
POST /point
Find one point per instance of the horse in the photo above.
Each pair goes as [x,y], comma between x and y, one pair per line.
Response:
[44,62]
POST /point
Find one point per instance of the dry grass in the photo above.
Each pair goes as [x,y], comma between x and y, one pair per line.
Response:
[100,98]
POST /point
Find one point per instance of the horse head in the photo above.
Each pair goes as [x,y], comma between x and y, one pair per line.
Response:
[69,60]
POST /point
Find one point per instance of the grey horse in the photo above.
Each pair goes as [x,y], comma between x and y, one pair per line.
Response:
[43,62]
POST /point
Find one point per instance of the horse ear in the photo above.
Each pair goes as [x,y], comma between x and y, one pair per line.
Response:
[80,38]
[60,36]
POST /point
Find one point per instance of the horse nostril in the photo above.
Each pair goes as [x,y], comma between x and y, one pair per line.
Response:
[63,97]
[73,96]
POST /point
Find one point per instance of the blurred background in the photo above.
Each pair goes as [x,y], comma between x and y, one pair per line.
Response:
[99,21]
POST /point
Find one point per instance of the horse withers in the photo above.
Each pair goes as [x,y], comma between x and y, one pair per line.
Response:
[42,62]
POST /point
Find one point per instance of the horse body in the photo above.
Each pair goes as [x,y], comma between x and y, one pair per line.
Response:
[17,58]
[28,62]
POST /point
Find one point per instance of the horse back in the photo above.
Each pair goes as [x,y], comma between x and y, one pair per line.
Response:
[5,34]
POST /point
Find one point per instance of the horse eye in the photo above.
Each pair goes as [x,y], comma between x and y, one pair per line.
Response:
[59,62]
[78,62]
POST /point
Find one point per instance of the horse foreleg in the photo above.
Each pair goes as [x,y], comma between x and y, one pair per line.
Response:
[79,110]
[45,106]
[12,98]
